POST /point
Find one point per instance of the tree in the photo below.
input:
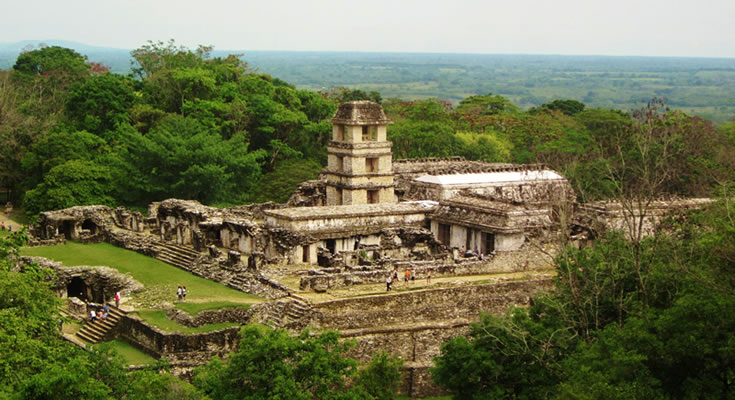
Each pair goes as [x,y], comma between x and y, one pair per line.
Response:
[100,103]
[568,107]
[49,72]
[516,356]
[272,364]
[381,377]
[488,104]
[72,183]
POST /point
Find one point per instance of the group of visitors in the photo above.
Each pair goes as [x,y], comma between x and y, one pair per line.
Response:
[181,293]
[409,276]
[9,228]
[101,314]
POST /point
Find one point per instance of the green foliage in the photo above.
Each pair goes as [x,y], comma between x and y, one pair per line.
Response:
[515,356]
[381,377]
[100,103]
[568,107]
[279,184]
[486,146]
[36,363]
[627,319]
[488,104]
[72,183]
[272,364]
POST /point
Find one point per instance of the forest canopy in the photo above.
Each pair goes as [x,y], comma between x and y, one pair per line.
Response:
[188,125]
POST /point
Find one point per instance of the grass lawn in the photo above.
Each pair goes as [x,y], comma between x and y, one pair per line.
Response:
[160,280]
[131,354]
[156,276]
[158,319]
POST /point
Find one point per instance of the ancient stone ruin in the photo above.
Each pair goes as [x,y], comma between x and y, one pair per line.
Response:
[322,258]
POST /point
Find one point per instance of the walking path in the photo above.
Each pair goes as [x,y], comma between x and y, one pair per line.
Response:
[9,222]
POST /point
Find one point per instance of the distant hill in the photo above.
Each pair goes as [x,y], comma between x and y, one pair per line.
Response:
[702,86]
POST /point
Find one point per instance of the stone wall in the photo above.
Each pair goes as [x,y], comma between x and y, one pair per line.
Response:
[184,351]
[443,304]
[239,315]
[531,259]
[99,282]
[413,325]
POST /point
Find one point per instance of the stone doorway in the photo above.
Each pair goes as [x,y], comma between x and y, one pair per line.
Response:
[77,288]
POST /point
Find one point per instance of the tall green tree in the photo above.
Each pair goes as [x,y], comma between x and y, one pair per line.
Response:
[272,364]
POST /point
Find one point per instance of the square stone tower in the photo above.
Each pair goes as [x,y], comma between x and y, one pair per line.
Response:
[359,170]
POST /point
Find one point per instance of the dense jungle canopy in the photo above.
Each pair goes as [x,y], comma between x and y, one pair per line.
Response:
[188,125]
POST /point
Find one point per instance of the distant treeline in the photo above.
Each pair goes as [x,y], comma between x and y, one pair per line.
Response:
[700,86]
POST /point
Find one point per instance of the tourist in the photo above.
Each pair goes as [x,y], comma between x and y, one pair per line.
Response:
[3,225]
[93,315]
[395,274]
[413,273]
[388,282]
[117,299]
[180,293]
[428,276]
[406,276]
[101,314]
[183,292]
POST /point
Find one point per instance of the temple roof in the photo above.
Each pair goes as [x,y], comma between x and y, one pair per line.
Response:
[361,112]
[491,177]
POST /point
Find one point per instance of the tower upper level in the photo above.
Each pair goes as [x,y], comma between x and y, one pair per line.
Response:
[359,167]
[359,121]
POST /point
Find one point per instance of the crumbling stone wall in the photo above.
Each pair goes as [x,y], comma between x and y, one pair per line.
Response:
[444,304]
[309,194]
[413,325]
[101,282]
[239,315]
[184,351]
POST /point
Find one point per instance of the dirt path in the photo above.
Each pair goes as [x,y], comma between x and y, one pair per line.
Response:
[9,223]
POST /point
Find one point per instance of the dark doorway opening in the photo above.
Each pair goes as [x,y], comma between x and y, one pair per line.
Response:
[89,226]
[77,288]
[444,234]
[68,228]
[332,245]
[488,243]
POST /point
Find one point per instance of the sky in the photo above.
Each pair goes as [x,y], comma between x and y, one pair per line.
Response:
[702,28]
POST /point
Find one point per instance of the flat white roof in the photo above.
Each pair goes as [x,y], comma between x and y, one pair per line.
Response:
[491,177]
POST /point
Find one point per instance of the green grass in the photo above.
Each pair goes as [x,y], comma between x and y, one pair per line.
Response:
[159,278]
[131,354]
[195,308]
[158,319]
[425,398]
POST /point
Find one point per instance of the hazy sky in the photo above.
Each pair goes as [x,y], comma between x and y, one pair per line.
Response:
[624,27]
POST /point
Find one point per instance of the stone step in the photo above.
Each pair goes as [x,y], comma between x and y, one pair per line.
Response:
[176,256]
[179,249]
[87,338]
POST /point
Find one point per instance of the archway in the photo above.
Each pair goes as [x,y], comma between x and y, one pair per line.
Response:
[90,226]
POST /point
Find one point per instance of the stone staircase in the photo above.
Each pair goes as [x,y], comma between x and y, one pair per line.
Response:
[285,311]
[96,331]
[178,256]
